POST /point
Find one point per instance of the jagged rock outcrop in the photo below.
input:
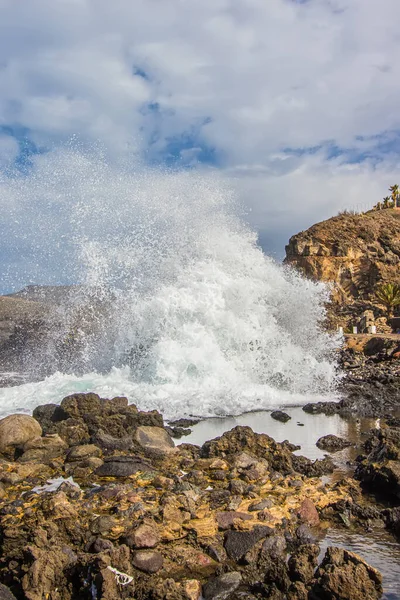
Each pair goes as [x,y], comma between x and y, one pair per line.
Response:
[354,252]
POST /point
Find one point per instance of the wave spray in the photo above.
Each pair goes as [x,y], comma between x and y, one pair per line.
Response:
[178,307]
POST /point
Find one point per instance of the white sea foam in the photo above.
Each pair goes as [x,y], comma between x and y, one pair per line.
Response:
[194,318]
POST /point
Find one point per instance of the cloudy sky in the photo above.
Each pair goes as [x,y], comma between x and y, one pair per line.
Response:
[293,102]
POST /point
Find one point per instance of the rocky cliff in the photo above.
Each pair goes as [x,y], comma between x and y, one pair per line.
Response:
[353,252]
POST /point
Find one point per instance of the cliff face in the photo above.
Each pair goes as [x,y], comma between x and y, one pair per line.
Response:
[354,252]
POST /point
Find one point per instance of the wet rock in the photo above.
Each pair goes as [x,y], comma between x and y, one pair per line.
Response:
[184,423]
[145,536]
[122,466]
[16,430]
[238,543]
[281,416]
[332,443]
[220,588]
[308,513]
[154,439]
[343,575]
[380,470]
[303,562]
[177,432]
[148,561]
[227,519]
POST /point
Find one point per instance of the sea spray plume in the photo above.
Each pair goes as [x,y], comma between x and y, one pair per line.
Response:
[178,306]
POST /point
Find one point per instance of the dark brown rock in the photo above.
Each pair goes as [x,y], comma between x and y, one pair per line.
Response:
[148,561]
[238,543]
[122,466]
[281,416]
[332,443]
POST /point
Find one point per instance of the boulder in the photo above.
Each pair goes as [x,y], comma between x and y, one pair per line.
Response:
[16,430]
[332,443]
[121,466]
[154,439]
[343,575]
[281,416]
[220,588]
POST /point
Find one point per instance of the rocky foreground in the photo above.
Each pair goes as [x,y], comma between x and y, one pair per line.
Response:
[98,503]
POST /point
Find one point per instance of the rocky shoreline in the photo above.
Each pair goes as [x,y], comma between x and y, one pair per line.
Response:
[99,503]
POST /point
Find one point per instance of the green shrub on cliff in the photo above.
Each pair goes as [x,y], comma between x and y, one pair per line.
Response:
[388,294]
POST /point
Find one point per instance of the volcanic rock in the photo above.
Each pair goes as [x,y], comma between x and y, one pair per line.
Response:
[343,575]
[308,513]
[121,466]
[145,536]
[148,561]
[354,252]
[238,543]
[303,562]
[154,439]
[281,416]
[332,443]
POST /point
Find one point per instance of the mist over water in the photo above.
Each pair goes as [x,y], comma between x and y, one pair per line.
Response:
[178,307]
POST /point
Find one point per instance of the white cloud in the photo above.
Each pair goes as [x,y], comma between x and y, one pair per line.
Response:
[261,75]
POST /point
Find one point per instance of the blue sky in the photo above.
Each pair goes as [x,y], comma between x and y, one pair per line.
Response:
[293,103]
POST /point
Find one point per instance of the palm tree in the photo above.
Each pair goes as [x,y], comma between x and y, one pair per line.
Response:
[388,294]
[386,201]
[395,193]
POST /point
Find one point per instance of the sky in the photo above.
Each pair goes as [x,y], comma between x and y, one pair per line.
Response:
[293,103]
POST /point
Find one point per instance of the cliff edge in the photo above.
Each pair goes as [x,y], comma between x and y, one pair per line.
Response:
[353,252]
